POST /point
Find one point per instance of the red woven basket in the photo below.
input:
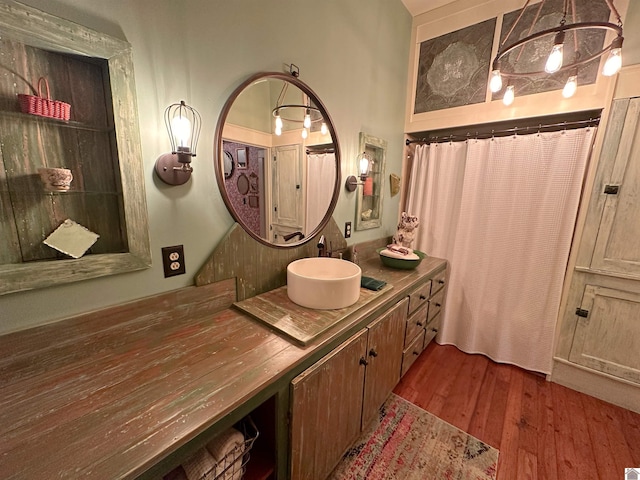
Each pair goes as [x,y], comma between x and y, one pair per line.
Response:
[45,107]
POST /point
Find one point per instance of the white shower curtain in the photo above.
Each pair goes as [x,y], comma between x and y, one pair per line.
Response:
[321,177]
[502,211]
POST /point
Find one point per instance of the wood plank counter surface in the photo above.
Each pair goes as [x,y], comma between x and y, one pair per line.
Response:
[112,393]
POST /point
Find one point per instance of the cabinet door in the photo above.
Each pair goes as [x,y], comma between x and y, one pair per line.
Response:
[326,405]
[617,244]
[384,356]
[608,338]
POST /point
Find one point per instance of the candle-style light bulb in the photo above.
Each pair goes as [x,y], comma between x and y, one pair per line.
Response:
[614,60]
[509,96]
[613,63]
[554,62]
[496,81]
[181,129]
[323,128]
[570,87]
[307,119]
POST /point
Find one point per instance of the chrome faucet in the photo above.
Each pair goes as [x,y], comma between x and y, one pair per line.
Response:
[322,247]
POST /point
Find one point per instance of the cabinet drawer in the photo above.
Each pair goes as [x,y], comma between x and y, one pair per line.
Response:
[419,297]
[412,352]
[432,330]
[435,304]
[415,323]
[438,282]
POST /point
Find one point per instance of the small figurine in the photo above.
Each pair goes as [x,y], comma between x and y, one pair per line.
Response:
[406,230]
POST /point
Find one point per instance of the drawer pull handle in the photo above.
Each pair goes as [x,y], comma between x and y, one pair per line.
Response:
[441,282]
[373,353]
[416,353]
[438,305]
[422,297]
[363,361]
[419,324]
[434,330]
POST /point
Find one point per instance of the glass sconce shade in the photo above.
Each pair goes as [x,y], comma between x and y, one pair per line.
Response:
[183,125]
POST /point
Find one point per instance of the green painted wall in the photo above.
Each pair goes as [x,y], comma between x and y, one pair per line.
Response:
[353,53]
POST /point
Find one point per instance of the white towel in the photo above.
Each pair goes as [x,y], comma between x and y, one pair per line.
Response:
[227,449]
[201,466]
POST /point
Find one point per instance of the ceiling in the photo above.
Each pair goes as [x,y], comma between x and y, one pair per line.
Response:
[416,7]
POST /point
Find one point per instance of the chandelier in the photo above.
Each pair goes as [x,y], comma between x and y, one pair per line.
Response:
[557,59]
[305,115]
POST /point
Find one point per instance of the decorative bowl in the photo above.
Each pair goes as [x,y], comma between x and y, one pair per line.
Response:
[401,263]
[56,179]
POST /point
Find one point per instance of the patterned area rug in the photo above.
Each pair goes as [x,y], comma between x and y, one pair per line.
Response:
[408,443]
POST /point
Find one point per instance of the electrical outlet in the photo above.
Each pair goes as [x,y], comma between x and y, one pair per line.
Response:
[173,260]
[347,229]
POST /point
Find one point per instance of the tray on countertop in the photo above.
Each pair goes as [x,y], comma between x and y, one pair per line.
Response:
[301,324]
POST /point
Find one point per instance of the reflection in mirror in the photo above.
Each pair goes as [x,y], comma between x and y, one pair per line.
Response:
[284,144]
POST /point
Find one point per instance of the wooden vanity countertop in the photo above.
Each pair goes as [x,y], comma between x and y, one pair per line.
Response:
[111,393]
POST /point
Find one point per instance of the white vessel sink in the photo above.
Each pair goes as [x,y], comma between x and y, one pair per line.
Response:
[323,283]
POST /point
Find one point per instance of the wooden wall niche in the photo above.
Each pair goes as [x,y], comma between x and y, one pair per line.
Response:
[100,144]
[369,199]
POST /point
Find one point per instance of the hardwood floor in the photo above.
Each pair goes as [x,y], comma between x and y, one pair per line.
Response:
[543,430]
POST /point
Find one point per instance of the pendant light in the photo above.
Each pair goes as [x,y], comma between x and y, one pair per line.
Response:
[556,62]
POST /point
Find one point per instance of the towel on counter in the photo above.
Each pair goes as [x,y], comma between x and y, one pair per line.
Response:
[200,466]
[372,283]
[228,449]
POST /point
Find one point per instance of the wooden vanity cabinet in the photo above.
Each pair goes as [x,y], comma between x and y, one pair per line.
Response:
[335,398]
[384,356]
[423,323]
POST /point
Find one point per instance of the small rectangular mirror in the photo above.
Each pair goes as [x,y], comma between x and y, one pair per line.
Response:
[369,199]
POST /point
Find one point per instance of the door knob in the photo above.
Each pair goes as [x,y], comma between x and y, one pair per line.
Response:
[363,361]
[373,353]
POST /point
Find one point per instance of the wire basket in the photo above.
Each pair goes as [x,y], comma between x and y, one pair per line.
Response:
[45,107]
[232,466]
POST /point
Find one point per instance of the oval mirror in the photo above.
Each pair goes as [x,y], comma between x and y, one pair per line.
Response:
[275,131]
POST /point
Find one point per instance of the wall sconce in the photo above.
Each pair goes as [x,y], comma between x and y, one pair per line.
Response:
[364,166]
[183,125]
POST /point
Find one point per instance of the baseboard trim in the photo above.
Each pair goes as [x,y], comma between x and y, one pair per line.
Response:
[619,392]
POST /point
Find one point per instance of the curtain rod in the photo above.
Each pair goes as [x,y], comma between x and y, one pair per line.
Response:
[592,122]
[320,150]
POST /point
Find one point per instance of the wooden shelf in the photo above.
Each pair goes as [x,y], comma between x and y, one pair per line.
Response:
[67,193]
[55,121]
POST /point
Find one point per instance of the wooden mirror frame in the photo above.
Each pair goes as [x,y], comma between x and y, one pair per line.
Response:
[369,143]
[218,153]
[41,30]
